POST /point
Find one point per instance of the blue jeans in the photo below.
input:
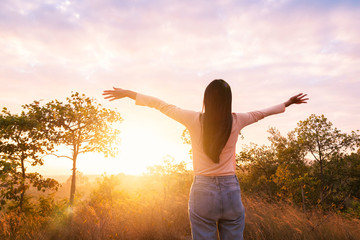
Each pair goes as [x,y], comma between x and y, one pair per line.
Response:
[215,204]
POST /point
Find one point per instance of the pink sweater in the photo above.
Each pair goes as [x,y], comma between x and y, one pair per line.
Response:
[202,164]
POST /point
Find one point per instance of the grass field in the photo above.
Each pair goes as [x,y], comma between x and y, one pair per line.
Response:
[127,207]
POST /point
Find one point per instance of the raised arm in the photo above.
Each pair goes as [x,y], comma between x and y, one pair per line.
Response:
[184,117]
[254,116]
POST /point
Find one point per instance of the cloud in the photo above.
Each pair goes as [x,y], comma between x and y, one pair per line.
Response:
[263,48]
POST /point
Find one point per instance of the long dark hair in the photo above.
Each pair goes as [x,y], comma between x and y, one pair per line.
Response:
[216,118]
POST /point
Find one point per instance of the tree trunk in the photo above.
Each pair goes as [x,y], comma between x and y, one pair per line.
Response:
[73,180]
[303,197]
[321,161]
[22,185]
[321,182]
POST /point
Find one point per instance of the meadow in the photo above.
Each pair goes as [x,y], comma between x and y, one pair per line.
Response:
[154,206]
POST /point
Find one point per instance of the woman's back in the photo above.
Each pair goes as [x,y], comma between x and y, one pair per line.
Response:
[202,163]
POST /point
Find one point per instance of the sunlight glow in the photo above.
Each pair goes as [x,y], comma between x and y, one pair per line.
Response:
[142,147]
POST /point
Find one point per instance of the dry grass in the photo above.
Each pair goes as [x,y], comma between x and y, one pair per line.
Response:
[283,221]
[154,208]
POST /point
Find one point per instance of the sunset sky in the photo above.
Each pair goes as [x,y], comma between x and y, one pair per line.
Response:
[267,50]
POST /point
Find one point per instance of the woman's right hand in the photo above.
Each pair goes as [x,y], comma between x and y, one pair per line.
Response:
[118,93]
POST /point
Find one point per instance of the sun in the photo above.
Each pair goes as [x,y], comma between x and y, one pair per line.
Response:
[140,147]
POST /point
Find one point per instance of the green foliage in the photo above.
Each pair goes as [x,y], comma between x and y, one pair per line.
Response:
[81,123]
[257,165]
[283,169]
[322,140]
[291,177]
[23,140]
[353,171]
[328,146]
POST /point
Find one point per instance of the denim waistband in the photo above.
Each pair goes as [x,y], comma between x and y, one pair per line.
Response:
[215,179]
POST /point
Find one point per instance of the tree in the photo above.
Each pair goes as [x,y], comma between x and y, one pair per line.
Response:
[84,126]
[22,140]
[292,173]
[258,165]
[324,142]
[174,177]
[353,168]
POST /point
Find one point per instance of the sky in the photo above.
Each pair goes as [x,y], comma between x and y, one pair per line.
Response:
[267,51]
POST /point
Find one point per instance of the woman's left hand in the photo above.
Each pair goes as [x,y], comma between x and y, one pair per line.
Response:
[297,99]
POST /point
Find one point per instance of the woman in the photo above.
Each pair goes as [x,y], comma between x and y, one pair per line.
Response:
[215,199]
